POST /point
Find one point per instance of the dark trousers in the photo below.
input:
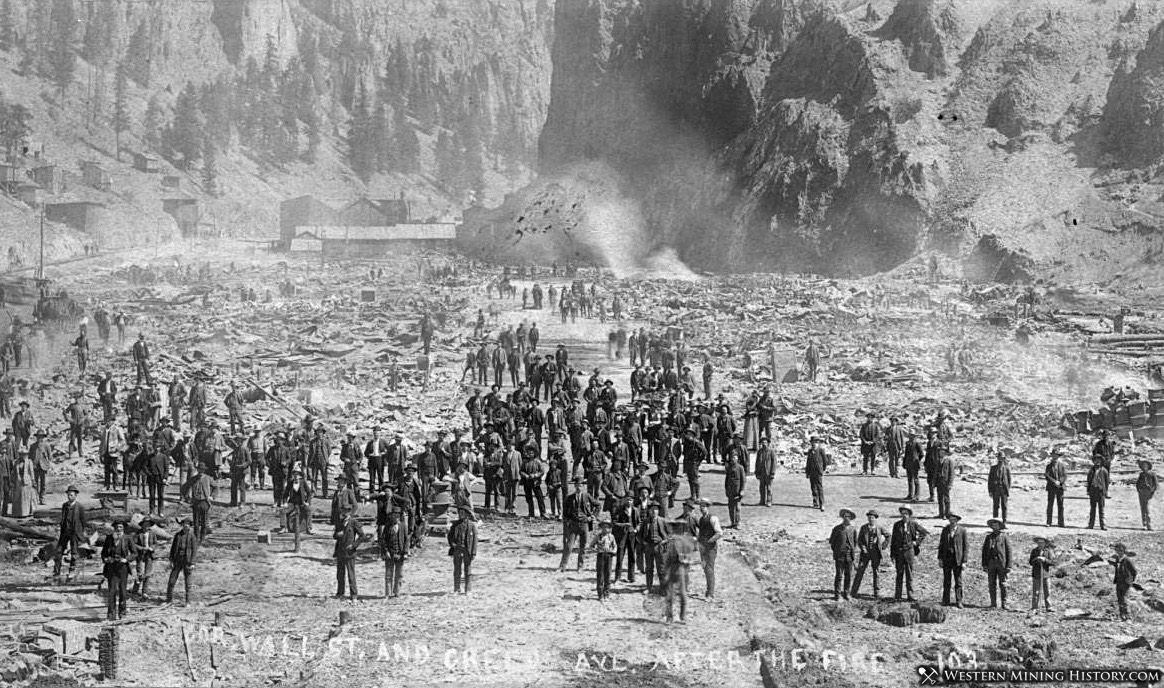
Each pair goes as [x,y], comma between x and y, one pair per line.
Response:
[676,582]
[510,494]
[603,567]
[913,484]
[116,576]
[201,511]
[1122,599]
[112,463]
[68,546]
[943,500]
[1054,498]
[999,505]
[145,569]
[319,473]
[393,575]
[236,419]
[278,483]
[75,432]
[765,491]
[874,571]
[652,564]
[175,418]
[461,570]
[843,577]
[258,471]
[1145,516]
[693,484]
[143,370]
[734,510]
[375,475]
[951,574]
[573,533]
[1040,585]
[238,486]
[626,552]
[179,567]
[931,484]
[533,491]
[38,479]
[492,490]
[868,458]
[904,566]
[555,500]
[345,569]
[816,484]
[707,553]
[996,579]
[1097,502]
[157,492]
[894,462]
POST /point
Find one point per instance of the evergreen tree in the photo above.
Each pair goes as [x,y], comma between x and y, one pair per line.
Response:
[188,130]
[15,126]
[154,118]
[314,136]
[216,104]
[406,144]
[7,27]
[100,34]
[209,166]
[120,107]
[137,55]
[62,59]
[473,169]
[361,151]
[271,69]
[446,161]
[382,138]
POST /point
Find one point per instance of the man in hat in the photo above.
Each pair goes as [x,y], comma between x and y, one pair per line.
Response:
[257,448]
[72,532]
[676,554]
[1040,560]
[116,553]
[183,548]
[765,470]
[342,498]
[200,495]
[197,404]
[870,436]
[1104,448]
[932,463]
[394,548]
[872,541]
[651,534]
[152,405]
[157,466]
[953,545]
[107,395]
[532,471]
[234,406]
[76,415]
[395,458]
[1097,487]
[613,485]
[996,560]
[944,429]
[814,468]
[414,490]
[463,547]
[733,487]
[843,542]
[144,542]
[895,439]
[141,357]
[605,547]
[376,451]
[318,457]
[176,394]
[709,533]
[578,511]
[904,545]
[625,523]
[1125,575]
[911,462]
[694,455]
[112,445]
[22,424]
[1056,477]
[998,486]
[41,456]
[1146,484]
[347,535]
[944,482]
[279,461]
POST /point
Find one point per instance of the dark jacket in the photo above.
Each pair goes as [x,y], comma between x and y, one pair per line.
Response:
[183,547]
[814,465]
[998,480]
[953,546]
[463,538]
[1056,475]
[347,537]
[765,463]
[733,480]
[1146,484]
[945,473]
[996,551]
[1125,570]
[915,451]
[113,552]
[906,539]
[871,540]
[843,541]
[394,541]
[1097,480]
[72,520]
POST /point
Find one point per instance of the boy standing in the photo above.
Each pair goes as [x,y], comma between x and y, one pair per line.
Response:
[605,546]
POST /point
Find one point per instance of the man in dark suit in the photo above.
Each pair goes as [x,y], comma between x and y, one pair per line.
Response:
[182,551]
[872,540]
[348,534]
[996,560]
[116,554]
[904,545]
[814,469]
[1097,487]
[1056,476]
[376,452]
[843,542]
[952,549]
[944,482]
[72,532]
[998,485]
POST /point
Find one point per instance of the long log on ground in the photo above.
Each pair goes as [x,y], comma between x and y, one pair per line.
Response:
[1123,338]
[1128,352]
[15,527]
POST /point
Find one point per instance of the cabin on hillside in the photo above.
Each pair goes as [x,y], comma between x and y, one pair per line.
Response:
[143,162]
[50,178]
[10,177]
[29,193]
[80,215]
[186,212]
[95,176]
[171,182]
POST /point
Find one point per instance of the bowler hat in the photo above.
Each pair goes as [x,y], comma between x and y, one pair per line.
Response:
[24,403]
[848,513]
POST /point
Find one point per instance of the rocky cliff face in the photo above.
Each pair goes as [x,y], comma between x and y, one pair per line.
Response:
[848,136]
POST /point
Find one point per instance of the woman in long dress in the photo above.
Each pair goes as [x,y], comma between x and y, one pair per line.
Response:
[24,497]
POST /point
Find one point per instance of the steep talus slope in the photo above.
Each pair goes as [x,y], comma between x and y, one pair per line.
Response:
[1134,109]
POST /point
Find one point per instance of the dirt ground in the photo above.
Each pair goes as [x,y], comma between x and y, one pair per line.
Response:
[265,615]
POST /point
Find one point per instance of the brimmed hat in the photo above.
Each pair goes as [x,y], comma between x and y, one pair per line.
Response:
[185,519]
[119,521]
[1044,540]
[873,513]
[814,438]
[1145,463]
[905,510]
[689,502]
[24,403]
[954,516]
[147,519]
[466,509]
[165,420]
[410,467]
[41,433]
[704,500]
[604,520]
[992,521]
[1120,547]
[848,513]
[72,488]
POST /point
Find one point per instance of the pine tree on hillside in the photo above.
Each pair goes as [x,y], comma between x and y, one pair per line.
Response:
[314,126]
[406,144]
[100,35]
[15,126]
[446,162]
[209,166]
[62,57]
[382,138]
[361,138]
[186,133]
[137,55]
[153,125]
[7,27]
[216,103]
[120,106]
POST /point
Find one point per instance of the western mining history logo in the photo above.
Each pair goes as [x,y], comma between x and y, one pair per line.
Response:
[940,676]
